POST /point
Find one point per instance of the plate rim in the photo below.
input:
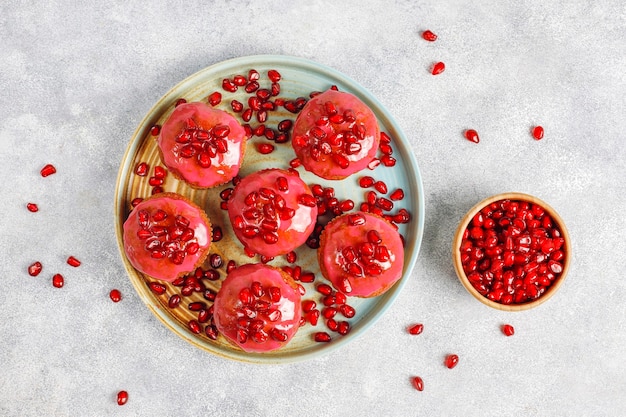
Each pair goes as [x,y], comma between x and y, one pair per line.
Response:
[415,182]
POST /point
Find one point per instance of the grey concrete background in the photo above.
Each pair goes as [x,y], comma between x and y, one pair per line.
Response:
[77,77]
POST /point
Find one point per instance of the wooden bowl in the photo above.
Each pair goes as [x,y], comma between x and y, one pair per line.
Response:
[556,282]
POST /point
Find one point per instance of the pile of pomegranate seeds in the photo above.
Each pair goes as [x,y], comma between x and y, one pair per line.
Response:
[512,251]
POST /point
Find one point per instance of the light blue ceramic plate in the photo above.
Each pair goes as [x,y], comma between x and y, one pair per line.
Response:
[299,78]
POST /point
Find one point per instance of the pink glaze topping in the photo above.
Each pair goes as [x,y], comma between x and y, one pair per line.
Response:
[361,254]
[166,236]
[335,135]
[257,308]
[272,212]
[202,145]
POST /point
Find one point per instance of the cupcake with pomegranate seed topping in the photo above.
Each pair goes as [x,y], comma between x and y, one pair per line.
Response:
[257,308]
[335,135]
[202,145]
[167,236]
[272,212]
[361,254]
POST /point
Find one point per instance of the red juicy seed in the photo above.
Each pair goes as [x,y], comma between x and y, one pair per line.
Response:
[32,207]
[307,200]
[285,125]
[135,202]
[508,330]
[322,337]
[215,98]
[174,301]
[418,383]
[308,305]
[388,160]
[451,361]
[273,75]
[381,187]
[228,85]
[35,269]
[343,328]
[239,80]
[58,280]
[438,68]
[73,262]
[253,75]
[295,163]
[194,326]
[142,169]
[291,257]
[122,398]
[472,135]
[265,148]
[416,329]
[115,295]
[538,132]
[347,311]
[179,102]
[157,288]
[366,181]
[397,195]
[430,37]
[373,164]
[155,130]
[159,172]
[48,170]
[324,289]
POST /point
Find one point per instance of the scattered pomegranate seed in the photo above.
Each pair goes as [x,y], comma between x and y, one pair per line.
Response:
[451,361]
[430,37]
[179,102]
[32,207]
[122,398]
[215,98]
[397,195]
[35,269]
[73,262]
[472,135]
[48,170]
[322,337]
[155,130]
[58,281]
[142,169]
[418,383]
[538,132]
[265,148]
[416,329]
[157,288]
[438,68]
[508,330]
[115,295]
[274,76]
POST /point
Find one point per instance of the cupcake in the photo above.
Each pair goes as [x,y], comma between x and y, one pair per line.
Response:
[272,212]
[257,308]
[202,145]
[335,135]
[167,236]
[361,254]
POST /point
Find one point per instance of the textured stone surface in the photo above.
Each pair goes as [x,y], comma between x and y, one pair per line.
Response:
[76,79]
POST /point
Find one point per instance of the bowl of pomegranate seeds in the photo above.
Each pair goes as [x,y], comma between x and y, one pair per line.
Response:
[511,251]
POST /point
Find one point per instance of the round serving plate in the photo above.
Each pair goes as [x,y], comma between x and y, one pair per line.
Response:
[300,77]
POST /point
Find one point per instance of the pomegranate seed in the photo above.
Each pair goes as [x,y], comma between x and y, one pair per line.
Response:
[194,326]
[179,102]
[308,305]
[228,85]
[416,329]
[58,280]
[142,169]
[347,311]
[239,80]
[115,295]
[381,187]
[322,337]
[430,37]
[174,301]
[538,132]
[472,135]
[157,288]
[451,361]
[438,68]
[215,98]
[397,195]
[508,330]
[48,170]
[418,383]
[32,207]
[35,269]
[273,75]
[122,398]
[73,262]
[155,130]
[388,160]
[265,148]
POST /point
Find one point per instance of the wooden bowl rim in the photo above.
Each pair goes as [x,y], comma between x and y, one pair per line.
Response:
[458,236]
